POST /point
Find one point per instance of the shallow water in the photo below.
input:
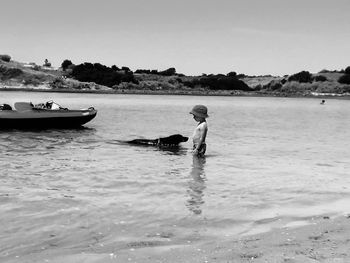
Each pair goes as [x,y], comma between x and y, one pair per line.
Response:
[271,162]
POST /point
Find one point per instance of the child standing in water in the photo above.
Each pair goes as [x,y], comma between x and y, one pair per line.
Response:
[199,112]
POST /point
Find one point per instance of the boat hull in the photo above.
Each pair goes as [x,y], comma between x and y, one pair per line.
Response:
[44,119]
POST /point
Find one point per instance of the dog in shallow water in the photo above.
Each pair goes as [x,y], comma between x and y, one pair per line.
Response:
[170,141]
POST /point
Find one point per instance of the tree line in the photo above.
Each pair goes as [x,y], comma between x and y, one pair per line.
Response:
[113,76]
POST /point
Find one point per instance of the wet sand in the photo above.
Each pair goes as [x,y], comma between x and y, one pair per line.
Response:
[325,239]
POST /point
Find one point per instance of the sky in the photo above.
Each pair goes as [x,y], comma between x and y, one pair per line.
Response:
[253,37]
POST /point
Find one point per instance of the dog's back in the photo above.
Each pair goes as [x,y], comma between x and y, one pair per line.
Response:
[175,139]
[143,142]
[172,140]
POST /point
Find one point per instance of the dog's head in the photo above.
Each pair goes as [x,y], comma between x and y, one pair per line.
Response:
[173,139]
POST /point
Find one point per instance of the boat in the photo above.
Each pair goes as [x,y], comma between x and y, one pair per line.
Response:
[26,115]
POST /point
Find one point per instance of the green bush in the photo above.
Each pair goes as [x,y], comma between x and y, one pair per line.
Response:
[115,68]
[58,83]
[298,88]
[32,81]
[36,67]
[347,70]
[188,83]
[273,85]
[231,74]
[221,82]
[346,89]
[320,78]
[344,79]
[65,64]
[9,73]
[102,74]
[5,58]
[143,71]
[302,77]
[324,71]
[168,72]
[126,69]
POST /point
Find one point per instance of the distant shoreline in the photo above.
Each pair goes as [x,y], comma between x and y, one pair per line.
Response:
[17,76]
[180,93]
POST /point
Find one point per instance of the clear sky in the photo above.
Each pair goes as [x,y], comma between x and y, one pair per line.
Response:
[254,37]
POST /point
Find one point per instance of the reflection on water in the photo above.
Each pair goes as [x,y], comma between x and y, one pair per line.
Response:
[168,150]
[178,150]
[196,185]
[17,140]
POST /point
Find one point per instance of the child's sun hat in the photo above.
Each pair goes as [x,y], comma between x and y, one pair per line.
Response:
[200,111]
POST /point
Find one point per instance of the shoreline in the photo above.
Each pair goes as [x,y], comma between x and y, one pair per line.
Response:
[180,93]
[324,239]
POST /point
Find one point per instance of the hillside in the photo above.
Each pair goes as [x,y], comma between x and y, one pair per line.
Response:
[16,75]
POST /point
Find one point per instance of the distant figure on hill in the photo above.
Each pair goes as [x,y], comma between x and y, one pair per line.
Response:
[47,63]
[323,102]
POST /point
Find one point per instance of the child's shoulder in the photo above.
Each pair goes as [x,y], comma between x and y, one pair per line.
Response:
[203,125]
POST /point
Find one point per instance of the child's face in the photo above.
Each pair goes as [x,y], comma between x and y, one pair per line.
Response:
[196,118]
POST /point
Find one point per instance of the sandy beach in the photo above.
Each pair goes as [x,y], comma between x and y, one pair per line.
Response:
[325,239]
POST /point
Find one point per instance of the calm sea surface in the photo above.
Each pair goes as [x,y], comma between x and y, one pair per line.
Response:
[271,162]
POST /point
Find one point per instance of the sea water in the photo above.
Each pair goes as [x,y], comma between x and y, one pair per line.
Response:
[271,162]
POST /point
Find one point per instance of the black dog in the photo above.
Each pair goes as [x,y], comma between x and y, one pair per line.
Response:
[170,141]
